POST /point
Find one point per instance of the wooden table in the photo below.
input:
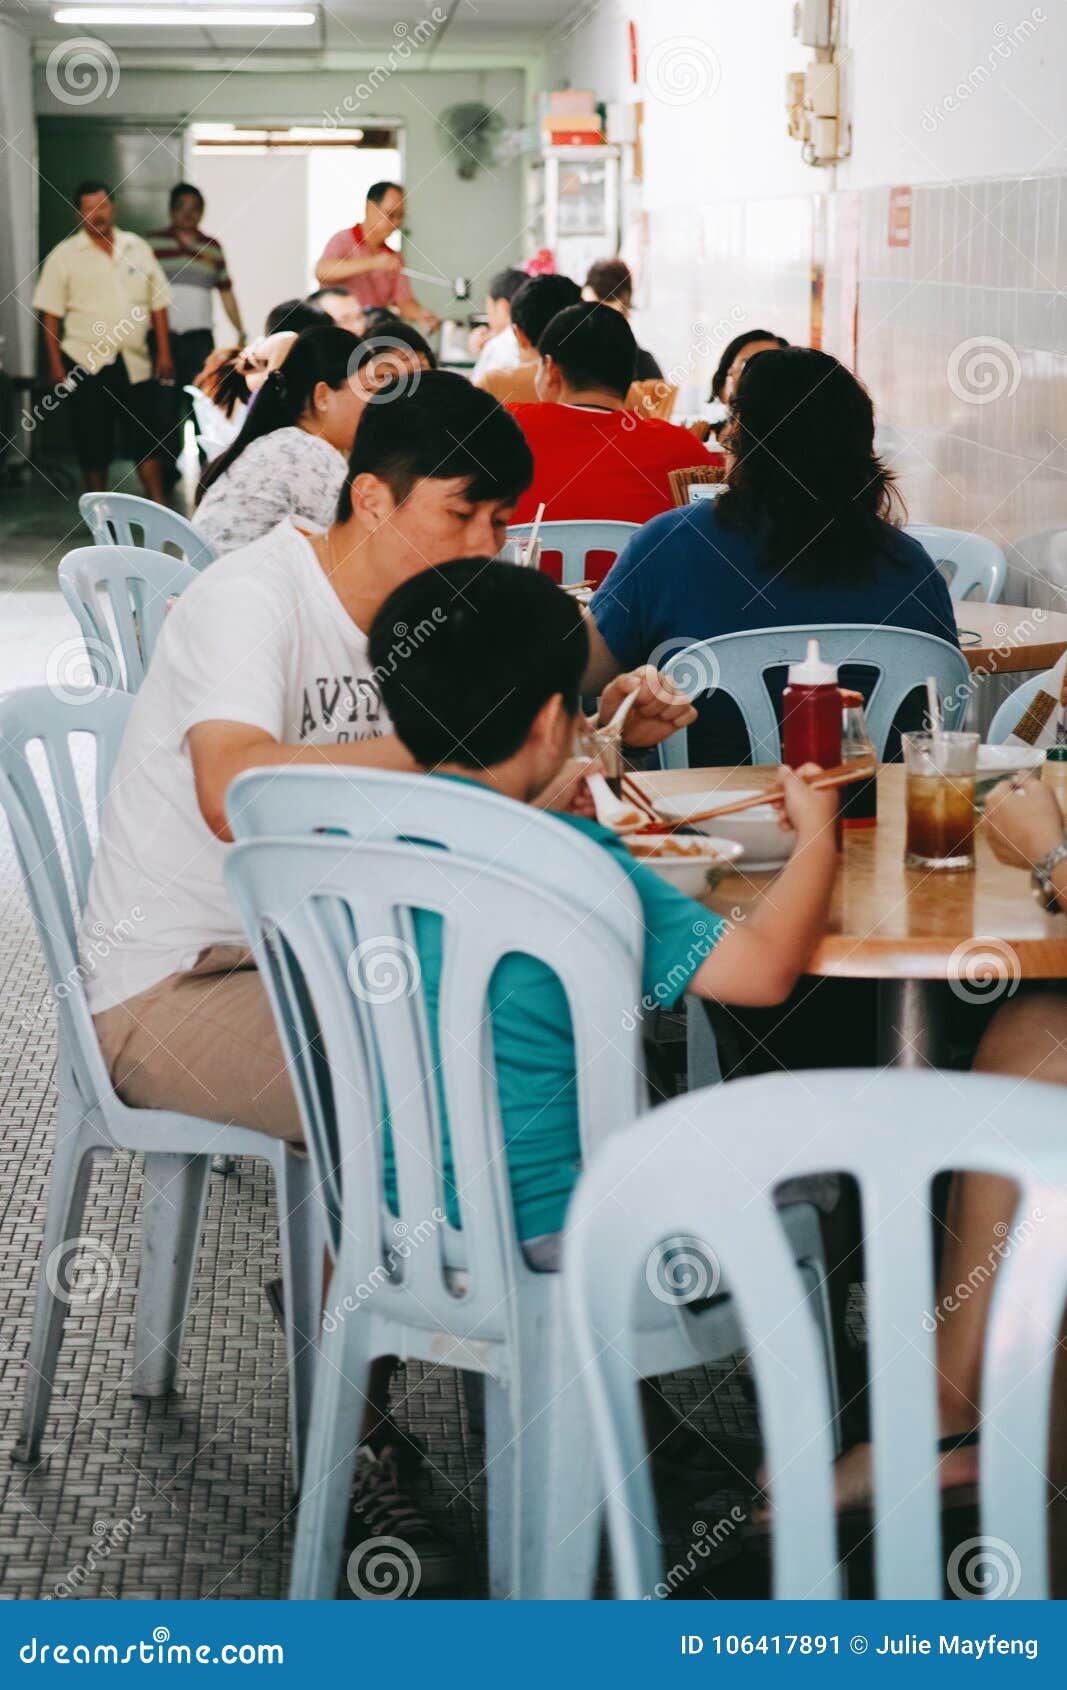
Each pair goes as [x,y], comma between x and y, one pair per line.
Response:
[912,930]
[1012,639]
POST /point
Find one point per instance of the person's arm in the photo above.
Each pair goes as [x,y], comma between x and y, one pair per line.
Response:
[221,751]
[413,312]
[329,269]
[759,961]
[229,304]
[661,708]
[53,348]
[164,370]
[1024,823]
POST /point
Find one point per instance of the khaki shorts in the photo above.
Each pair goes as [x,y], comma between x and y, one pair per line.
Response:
[203,1043]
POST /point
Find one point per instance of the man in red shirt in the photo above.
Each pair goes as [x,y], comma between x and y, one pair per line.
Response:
[359,260]
[592,457]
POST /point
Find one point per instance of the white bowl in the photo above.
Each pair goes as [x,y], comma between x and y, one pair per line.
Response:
[765,844]
[690,874]
[1006,759]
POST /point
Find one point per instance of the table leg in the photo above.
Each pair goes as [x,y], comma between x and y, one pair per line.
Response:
[913,1023]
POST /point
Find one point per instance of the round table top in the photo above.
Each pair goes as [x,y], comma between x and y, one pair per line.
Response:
[892,923]
[1011,639]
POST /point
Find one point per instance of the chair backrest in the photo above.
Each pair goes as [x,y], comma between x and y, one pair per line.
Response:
[894,1131]
[378,804]
[139,585]
[122,519]
[333,933]
[575,541]
[974,566]
[1014,707]
[737,665]
[54,835]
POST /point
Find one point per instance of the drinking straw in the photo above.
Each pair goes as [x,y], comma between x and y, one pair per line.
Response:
[933,707]
[535,529]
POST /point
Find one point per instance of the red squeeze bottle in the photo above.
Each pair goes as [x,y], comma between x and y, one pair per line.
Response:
[812,722]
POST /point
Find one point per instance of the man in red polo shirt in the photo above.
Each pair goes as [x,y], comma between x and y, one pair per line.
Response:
[359,260]
[592,457]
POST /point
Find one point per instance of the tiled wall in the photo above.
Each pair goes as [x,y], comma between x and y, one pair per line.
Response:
[962,337]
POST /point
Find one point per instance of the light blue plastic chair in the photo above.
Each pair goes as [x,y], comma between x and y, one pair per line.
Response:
[575,540]
[570,895]
[737,665]
[55,860]
[122,519]
[895,1131]
[139,585]
[1013,707]
[974,566]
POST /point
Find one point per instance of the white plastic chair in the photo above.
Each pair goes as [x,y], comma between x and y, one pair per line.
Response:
[575,540]
[976,566]
[139,585]
[55,858]
[1014,707]
[522,884]
[123,519]
[894,1131]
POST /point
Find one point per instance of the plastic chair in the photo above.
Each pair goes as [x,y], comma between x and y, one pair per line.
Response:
[978,567]
[117,519]
[139,585]
[55,858]
[1012,708]
[894,1131]
[575,540]
[737,665]
[554,885]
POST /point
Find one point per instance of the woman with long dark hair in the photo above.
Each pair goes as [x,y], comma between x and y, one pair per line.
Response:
[292,452]
[803,533]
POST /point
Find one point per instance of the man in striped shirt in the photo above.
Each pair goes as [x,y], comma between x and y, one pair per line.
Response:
[195,267]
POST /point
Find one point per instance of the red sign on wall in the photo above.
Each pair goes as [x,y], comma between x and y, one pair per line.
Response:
[900,216]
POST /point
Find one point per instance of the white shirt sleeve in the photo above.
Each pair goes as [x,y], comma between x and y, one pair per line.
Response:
[223,647]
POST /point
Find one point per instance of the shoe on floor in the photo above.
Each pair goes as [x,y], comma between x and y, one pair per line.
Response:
[397,1551]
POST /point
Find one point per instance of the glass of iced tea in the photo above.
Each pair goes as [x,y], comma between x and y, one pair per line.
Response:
[940,771]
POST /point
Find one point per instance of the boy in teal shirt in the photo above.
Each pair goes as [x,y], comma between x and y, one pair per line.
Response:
[491,696]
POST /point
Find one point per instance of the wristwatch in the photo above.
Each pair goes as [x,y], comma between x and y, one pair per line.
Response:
[1041,879]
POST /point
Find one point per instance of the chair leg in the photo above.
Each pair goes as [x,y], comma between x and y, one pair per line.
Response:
[72,1167]
[172,1218]
[303,1246]
[814,1275]
[501,1487]
[703,1067]
[342,1370]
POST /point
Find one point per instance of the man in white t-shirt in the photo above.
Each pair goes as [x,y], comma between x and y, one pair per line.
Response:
[263,663]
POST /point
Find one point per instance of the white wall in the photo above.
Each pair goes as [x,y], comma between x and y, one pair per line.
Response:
[18,202]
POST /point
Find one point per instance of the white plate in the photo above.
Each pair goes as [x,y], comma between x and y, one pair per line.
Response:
[765,844]
[1005,759]
[690,874]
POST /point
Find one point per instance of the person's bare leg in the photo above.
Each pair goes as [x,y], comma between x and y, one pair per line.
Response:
[150,471]
[94,480]
[1027,1037]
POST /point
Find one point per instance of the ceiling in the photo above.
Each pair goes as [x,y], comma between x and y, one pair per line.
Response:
[416,31]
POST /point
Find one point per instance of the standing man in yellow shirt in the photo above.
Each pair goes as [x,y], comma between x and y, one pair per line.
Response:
[99,293]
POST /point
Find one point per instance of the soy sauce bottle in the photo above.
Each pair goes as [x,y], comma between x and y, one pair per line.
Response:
[812,713]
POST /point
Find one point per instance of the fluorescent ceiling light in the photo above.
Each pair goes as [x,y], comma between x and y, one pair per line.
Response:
[185,17]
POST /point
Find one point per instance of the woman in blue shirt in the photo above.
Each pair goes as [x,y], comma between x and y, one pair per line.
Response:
[802,534]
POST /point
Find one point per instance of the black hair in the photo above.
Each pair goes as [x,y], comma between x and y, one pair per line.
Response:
[325,293]
[610,279]
[439,428]
[318,354]
[468,691]
[380,317]
[537,302]
[718,380]
[506,284]
[294,315]
[805,481]
[90,186]
[183,190]
[386,337]
[378,190]
[593,348]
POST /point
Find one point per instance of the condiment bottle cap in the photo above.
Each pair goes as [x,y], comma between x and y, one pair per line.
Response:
[813,672]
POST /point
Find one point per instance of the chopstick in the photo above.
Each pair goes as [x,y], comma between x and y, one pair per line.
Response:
[845,774]
[637,797]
